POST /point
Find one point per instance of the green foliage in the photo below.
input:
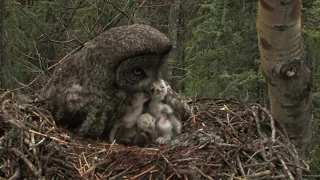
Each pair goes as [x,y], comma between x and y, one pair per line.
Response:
[314,160]
[40,34]
[222,53]
[311,25]
[20,33]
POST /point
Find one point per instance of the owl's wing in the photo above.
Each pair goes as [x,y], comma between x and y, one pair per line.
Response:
[114,110]
[176,124]
[180,107]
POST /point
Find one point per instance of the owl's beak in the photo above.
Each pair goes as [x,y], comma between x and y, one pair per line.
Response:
[146,95]
[151,127]
[154,91]
[146,91]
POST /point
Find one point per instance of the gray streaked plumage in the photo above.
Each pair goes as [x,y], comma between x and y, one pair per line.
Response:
[90,89]
[131,115]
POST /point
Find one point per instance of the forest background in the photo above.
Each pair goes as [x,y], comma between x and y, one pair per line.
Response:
[216,51]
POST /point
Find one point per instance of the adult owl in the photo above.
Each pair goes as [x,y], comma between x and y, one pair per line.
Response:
[89,90]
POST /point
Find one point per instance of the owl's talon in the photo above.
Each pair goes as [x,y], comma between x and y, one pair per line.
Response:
[161,140]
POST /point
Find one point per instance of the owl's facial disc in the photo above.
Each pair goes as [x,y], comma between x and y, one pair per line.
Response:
[137,73]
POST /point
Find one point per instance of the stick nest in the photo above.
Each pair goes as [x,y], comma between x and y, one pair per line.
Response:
[223,140]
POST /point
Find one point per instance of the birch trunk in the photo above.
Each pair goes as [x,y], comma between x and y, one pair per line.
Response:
[283,64]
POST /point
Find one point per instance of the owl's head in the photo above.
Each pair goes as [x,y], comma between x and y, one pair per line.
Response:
[137,73]
[136,53]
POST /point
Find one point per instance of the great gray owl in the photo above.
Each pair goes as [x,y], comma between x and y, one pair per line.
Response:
[90,89]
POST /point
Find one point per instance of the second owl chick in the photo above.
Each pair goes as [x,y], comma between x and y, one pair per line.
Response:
[146,123]
[167,126]
[163,129]
[132,112]
[145,128]
[158,91]
[166,121]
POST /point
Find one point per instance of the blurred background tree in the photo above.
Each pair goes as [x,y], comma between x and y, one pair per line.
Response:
[311,32]
[3,14]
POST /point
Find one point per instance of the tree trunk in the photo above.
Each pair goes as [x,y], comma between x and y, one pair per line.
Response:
[2,42]
[173,21]
[176,24]
[173,35]
[284,68]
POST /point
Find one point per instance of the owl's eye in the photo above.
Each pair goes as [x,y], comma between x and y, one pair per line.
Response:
[137,71]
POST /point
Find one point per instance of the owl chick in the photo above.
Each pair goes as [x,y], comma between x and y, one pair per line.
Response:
[167,126]
[161,131]
[158,91]
[132,113]
[166,121]
[146,123]
[145,130]
[164,130]
[142,132]
[91,88]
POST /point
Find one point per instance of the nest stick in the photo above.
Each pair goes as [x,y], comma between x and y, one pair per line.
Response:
[255,116]
[186,177]
[170,176]
[33,142]
[93,167]
[26,161]
[143,173]
[272,122]
[44,135]
[259,174]
[15,122]
[240,166]
[171,166]
[120,174]
[202,173]
[285,167]
[16,174]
